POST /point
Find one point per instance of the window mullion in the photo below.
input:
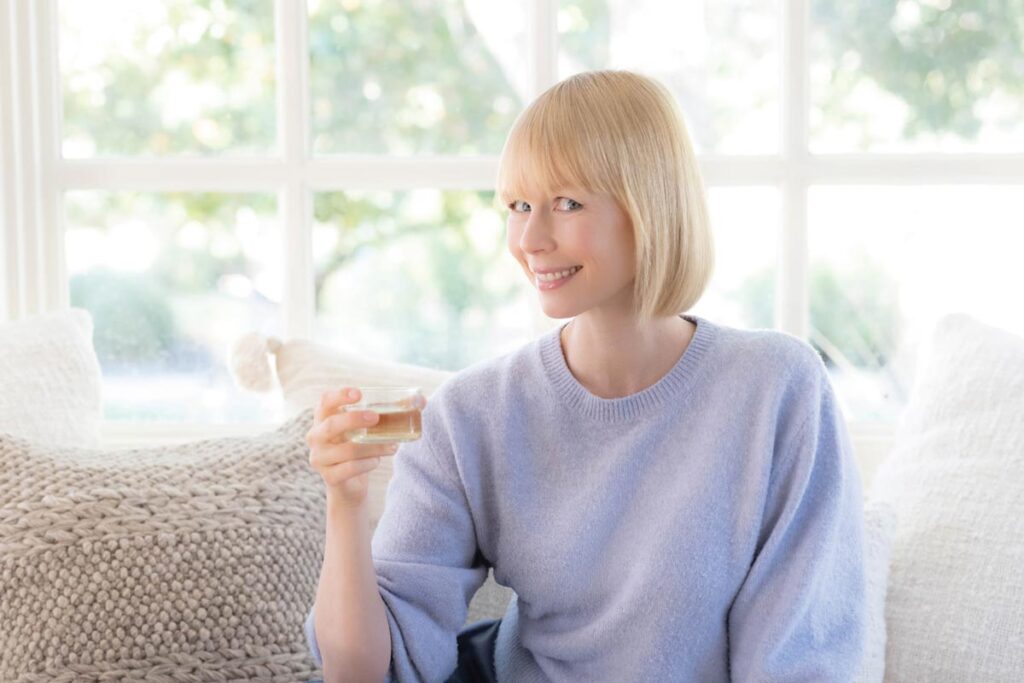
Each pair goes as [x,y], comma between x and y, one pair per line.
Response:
[542,45]
[50,127]
[791,291]
[390,173]
[32,247]
[294,199]
[11,263]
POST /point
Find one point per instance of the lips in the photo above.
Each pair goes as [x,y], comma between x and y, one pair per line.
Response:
[553,275]
[555,279]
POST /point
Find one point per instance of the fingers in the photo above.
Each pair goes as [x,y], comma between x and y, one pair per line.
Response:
[330,401]
[334,428]
[337,474]
[328,457]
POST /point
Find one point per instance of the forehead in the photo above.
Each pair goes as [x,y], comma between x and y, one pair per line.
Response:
[556,191]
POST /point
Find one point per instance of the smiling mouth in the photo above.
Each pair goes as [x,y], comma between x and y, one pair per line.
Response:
[554,277]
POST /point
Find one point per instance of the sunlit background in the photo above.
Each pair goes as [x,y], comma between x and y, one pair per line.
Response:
[421,276]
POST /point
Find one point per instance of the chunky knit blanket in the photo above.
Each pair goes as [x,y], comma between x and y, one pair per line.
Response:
[193,562]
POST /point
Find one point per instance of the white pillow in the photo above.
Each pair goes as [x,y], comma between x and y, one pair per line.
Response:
[306,369]
[879,527]
[51,379]
[955,604]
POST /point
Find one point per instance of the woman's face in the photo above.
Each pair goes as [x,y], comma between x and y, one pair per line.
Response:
[584,233]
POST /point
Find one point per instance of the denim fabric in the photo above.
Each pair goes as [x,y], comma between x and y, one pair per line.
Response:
[476,653]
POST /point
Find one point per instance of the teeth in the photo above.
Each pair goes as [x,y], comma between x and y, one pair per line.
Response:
[551,277]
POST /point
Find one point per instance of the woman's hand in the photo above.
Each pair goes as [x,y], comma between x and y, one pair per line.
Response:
[344,465]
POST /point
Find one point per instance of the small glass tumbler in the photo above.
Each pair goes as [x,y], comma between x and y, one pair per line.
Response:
[400,410]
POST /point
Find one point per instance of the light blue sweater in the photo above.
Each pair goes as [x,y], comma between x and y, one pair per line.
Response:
[707,528]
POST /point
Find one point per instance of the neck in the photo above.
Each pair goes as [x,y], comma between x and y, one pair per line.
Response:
[621,359]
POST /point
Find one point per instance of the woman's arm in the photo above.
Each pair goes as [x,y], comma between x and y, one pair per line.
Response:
[415,574]
[801,614]
[353,636]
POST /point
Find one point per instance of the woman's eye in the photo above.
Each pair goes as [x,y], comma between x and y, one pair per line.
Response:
[570,204]
[515,205]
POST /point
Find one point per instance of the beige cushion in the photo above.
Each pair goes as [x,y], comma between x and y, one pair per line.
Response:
[955,605]
[51,379]
[192,562]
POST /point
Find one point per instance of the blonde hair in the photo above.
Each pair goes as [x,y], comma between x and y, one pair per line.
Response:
[622,134]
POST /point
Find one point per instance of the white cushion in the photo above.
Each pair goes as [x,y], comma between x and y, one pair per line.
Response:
[955,604]
[879,527]
[51,379]
[306,369]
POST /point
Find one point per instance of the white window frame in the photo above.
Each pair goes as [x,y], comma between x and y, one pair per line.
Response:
[34,176]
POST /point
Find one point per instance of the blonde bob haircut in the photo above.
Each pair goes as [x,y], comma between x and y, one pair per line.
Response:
[621,133]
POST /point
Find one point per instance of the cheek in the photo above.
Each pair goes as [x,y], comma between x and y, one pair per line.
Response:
[512,243]
[512,235]
[584,245]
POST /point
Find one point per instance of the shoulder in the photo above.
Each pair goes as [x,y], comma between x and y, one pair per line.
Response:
[777,376]
[772,353]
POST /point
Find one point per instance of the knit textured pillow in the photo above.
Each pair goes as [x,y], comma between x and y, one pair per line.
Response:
[191,562]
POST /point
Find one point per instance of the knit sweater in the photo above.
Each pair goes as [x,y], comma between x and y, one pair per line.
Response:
[706,528]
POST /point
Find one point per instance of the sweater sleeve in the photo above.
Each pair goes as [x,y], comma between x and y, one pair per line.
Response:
[800,614]
[426,559]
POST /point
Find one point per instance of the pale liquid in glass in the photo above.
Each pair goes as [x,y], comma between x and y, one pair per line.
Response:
[397,423]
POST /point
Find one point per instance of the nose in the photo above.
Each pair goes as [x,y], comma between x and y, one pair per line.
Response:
[536,235]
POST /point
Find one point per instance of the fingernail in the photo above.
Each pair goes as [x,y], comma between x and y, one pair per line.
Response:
[352,393]
[367,417]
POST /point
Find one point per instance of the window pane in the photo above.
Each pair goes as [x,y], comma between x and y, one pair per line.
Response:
[172,280]
[720,59]
[745,223]
[888,262]
[445,77]
[420,277]
[147,78]
[916,76]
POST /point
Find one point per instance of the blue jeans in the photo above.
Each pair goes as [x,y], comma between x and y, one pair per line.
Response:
[476,653]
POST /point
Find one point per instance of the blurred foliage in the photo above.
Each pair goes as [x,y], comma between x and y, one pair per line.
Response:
[217,55]
[855,318]
[197,244]
[941,57]
[452,277]
[405,78]
[584,31]
[417,77]
[133,322]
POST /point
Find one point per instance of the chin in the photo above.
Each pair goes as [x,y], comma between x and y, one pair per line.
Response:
[559,312]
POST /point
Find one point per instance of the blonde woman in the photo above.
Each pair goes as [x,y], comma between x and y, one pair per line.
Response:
[670,499]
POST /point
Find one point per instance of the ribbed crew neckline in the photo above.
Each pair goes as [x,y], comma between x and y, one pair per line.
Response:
[673,385]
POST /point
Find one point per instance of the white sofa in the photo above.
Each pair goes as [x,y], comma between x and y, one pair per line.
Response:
[949,608]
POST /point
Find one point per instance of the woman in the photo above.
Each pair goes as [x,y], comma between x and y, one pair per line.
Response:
[669,498]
